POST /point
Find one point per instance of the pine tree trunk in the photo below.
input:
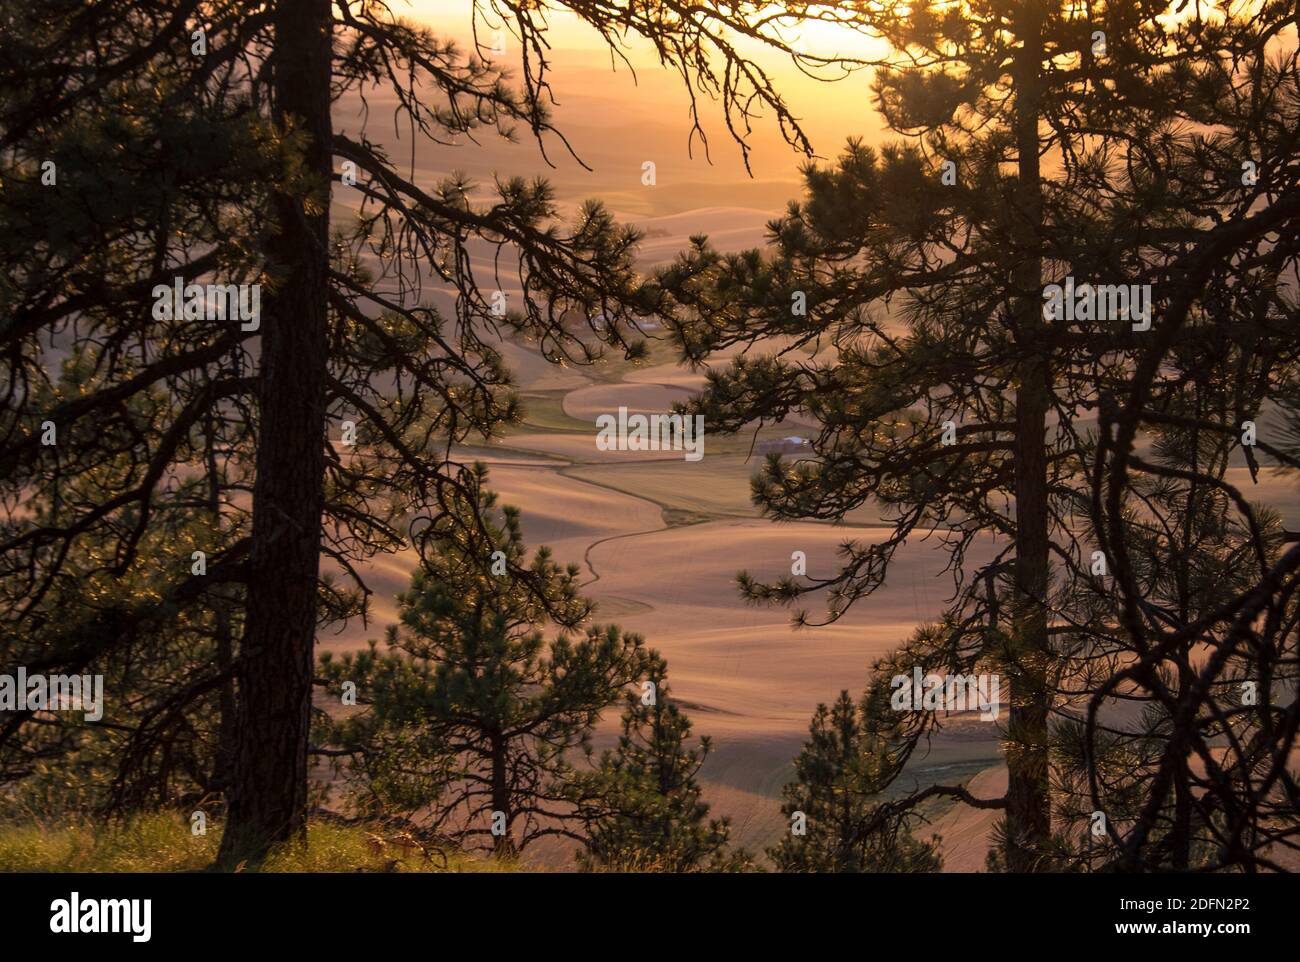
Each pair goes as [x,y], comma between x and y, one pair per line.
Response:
[1028,818]
[503,845]
[268,797]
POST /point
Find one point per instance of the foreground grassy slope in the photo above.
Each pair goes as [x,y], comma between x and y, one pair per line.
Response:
[163,843]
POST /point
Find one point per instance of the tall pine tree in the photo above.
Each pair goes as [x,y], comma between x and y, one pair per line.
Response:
[1044,144]
[246,195]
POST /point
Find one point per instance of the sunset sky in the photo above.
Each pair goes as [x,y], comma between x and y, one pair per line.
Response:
[615,121]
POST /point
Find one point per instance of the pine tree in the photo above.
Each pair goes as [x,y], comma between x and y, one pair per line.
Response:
[471,712]
[641,807]
[912,278]
[120,172]
[834,818]
[195,140]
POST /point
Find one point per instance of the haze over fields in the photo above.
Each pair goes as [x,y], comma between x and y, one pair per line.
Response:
[660,539]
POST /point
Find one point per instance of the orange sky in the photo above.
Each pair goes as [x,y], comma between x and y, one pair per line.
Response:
[590,91]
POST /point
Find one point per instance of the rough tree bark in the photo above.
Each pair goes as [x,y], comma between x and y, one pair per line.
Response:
[1028,820]
[268,796]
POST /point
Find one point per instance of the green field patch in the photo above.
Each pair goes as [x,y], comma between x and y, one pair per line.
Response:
[544,411]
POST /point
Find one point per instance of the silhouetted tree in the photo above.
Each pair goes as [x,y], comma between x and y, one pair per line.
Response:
[1206,576]
[195,140]
[946,394]
[125,165]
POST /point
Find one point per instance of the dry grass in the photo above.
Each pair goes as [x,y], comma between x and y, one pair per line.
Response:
[163,842]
